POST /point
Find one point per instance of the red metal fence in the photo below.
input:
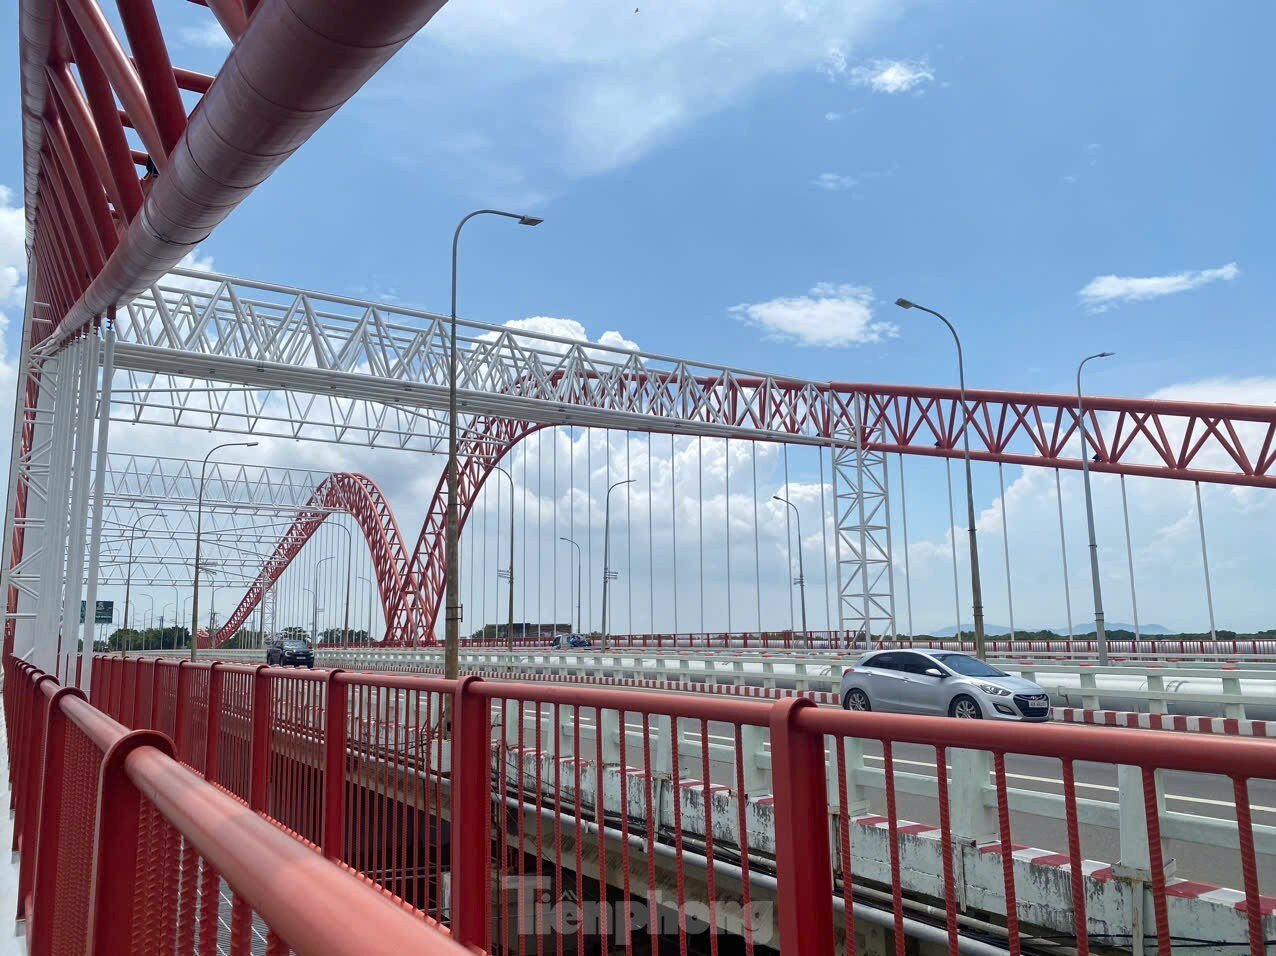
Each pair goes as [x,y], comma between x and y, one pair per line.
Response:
[473,801]
[124,849]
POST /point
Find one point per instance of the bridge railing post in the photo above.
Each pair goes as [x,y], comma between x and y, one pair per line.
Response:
[213,728]
[181,706]
[334,765]
[471,811]
[259,751]
[804,866]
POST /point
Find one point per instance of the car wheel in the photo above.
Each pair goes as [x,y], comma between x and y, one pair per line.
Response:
[965,708]
[856,699]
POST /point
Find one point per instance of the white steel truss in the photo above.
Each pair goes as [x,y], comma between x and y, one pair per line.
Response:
[227,354]
[865,574]
[231,355]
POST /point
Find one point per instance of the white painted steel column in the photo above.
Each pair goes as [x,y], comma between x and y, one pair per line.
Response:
[1205,560]
[1129,557]
[1005,545]
[908,575]
[16,466]
[99,500]
[952,538]
[1063,551]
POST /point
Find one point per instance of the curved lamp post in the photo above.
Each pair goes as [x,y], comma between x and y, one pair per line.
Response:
[452,531]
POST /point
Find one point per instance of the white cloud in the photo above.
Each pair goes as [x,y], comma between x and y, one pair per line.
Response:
[834,182]
[568,329]
[209,35]
[599,85]
[892,76]
[1103,292]
[829,316]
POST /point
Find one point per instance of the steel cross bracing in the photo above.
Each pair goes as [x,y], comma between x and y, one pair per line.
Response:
[214,351]
[247,510]
[861,503]
[211,351]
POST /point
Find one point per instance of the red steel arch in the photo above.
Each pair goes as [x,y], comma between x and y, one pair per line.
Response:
[1192,441]
[359,496]
[1177,439]
[412,617]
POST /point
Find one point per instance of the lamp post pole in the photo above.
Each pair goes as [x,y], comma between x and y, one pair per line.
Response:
[509,630]
[1100,635]
[314,627]
[607,572]
[976,590]
[371,595]
[578,575]
[199,528]
[801,579]
[150,616]
[452,529]
[345,625]
[128,580]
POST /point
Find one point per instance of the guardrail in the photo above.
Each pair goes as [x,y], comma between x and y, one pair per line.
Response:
[577,791]
[854,641]
[125,850]
[1232,691]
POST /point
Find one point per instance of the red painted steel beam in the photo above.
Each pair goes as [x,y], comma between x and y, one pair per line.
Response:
[358,496]
[293,67]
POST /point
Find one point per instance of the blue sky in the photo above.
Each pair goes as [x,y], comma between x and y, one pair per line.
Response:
[756,183]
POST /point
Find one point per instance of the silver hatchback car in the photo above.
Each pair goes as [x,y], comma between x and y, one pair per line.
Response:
[939,683]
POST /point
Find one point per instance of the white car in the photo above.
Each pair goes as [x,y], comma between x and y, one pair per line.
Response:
[941,683]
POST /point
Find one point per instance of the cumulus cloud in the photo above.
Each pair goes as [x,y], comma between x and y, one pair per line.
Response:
[208,35]
[892,76]
[834,182]
[568,330]
[828,316]
[1104,292]
[600,85]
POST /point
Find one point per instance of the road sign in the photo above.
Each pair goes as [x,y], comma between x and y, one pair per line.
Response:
[103,612]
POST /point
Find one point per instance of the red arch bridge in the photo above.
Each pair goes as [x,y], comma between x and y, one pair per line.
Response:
[143,812]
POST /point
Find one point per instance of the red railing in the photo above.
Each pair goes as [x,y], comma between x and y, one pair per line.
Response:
[398,777]
[124,849]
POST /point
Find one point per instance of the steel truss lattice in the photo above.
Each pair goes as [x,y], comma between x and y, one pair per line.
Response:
[865,574]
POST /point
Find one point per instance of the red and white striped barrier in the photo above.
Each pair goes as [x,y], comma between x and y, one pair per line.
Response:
[1182,723]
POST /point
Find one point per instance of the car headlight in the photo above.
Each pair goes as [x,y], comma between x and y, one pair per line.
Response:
[993,690]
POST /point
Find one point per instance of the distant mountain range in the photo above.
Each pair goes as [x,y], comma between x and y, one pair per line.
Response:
[1000,630]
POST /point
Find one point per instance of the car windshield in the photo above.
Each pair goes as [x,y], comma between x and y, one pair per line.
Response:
[296,645]
[967,666]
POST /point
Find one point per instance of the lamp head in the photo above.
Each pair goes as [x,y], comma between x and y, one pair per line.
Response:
[529,221]
[904,304]
[1106,354]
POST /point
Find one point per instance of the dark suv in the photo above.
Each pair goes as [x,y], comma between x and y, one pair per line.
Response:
[289,652]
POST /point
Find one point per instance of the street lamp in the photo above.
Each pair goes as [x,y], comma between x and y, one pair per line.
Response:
[199,527]
[345,626]
[371,596]
[608,573]
[128,580]
[801,578]
[976,590]
[314,627]
[452,531]
[150,617]
[509,633]
[1100,635]
[578,569]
